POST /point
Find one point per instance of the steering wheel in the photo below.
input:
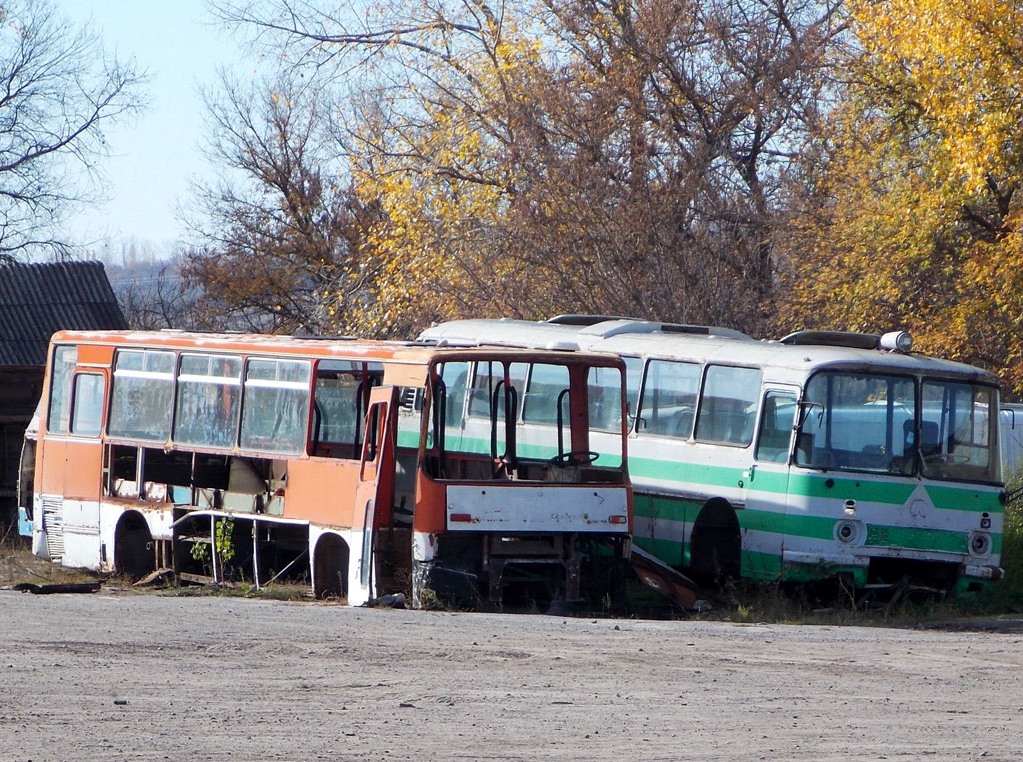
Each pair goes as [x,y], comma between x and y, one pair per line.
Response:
[574,458]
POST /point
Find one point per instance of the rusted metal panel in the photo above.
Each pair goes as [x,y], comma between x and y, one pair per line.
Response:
[665,579]
[316,492]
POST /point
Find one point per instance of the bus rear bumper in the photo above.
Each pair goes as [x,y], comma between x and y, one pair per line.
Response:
[811,567]
[977,571]
[977,578]
[861,570]
[791,557]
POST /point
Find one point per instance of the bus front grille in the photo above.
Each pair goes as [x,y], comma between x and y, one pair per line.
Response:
[53,526]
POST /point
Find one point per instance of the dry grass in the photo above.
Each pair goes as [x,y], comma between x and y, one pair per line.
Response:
[17,564]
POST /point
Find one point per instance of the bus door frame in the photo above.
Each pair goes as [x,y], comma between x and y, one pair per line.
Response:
[374,489]
[753,496]
[82,476]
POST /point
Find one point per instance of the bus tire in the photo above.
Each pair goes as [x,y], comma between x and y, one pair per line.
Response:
[716,544]
[330,571]
[134,553]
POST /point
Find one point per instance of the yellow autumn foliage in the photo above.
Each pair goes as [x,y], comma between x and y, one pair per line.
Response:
[445,187]
[961,62]
[913,217]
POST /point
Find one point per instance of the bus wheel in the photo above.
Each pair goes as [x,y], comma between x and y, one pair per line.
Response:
[330,572]
[134,553]
[716,550]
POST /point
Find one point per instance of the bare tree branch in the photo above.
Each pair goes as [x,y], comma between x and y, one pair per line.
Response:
[57,94]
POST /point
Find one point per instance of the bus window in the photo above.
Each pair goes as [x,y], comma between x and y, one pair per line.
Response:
[605,399]
[142,395]
[490,377]
[275,412]
[728,405]
[956,437]
[208,397]
[456,380]
[58,416]
[633,381]
[543,396]
[87,404]
[453,390]
[776,427]
[669,398]
[860,422]
[339,408]
[488,385]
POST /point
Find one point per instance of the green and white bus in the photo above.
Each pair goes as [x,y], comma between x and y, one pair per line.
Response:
[820,455]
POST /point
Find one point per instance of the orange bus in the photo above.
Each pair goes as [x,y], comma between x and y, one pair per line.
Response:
[365,468]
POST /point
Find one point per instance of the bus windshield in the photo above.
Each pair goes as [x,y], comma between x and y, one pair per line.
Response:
[530,418]
[869,422]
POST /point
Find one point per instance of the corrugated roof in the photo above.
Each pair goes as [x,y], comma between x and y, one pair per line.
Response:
[38,299]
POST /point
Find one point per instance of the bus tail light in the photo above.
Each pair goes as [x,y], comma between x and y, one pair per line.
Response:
[618,519]
[461,518]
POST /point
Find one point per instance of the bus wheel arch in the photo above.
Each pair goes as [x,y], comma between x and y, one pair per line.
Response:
[716,543]
[330,566]
[134,550]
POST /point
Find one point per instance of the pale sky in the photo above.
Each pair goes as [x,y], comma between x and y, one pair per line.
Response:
[153,155]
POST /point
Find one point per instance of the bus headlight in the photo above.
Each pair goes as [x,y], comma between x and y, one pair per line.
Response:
[980,543]
[847,531]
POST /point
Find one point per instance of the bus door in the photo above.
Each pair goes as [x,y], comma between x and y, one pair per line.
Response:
[83,473]
[766,483]
[374,495]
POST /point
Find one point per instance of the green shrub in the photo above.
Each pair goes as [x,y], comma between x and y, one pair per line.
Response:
[1012,537]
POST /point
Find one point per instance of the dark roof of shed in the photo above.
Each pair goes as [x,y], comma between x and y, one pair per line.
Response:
[38,299]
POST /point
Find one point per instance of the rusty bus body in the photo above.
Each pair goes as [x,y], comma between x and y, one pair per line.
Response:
[367,468]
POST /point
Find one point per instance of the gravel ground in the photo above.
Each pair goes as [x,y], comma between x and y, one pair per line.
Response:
[121,676]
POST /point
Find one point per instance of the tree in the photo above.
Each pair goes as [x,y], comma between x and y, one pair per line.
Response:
[280,236]
[712,96]
[538,157]
[153,295]
[912,218]
[58,91]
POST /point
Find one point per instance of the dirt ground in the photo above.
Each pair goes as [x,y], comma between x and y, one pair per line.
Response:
[117,675]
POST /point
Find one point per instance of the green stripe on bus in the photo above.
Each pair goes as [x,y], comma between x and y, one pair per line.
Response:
[762,566]
[884,489]
[917,538]
[676,471]
[665,507]
[815,572]
[844,487]
[662,508]
[668,551]
[964,498]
